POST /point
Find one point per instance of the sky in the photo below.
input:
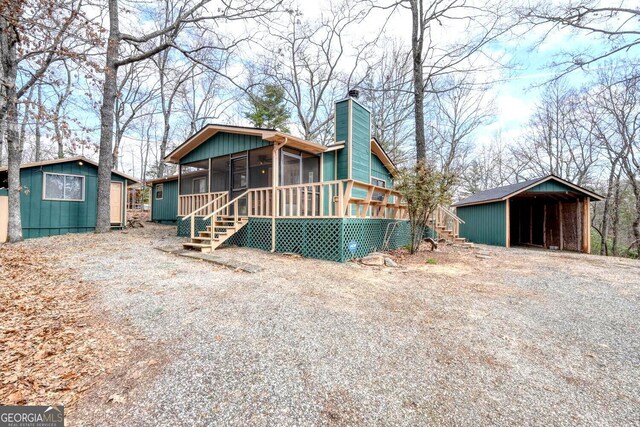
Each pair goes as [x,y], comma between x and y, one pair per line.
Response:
[514,95]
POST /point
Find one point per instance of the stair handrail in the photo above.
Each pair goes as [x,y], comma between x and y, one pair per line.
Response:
[440,217]
[192,214]
[227,205]
[452,215]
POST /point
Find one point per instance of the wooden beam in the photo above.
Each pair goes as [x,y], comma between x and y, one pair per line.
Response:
[560,222]
[586,226]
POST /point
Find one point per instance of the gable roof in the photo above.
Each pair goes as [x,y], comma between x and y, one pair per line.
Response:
[378,150]
[68,160]
[271,135]
[503,193]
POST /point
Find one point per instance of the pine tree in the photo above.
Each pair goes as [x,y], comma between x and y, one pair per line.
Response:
[269,109]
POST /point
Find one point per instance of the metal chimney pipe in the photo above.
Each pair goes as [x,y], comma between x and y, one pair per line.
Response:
[354,93]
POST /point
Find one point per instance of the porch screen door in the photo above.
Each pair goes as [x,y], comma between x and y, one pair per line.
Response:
[291,175]
[239,181]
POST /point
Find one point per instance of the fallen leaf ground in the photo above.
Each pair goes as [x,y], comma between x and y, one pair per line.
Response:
[53,343]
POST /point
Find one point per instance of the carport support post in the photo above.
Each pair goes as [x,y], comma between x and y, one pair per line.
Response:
[508,223]
[586,226]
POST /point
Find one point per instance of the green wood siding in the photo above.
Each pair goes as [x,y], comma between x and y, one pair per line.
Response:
[166,209]
[550,186]
[329,166]
[222,144]
[484,223]
[342,134]
[361,143]
[378,170]
[51,217]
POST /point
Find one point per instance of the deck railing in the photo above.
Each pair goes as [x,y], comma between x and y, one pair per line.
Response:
[329,199]
[187,203]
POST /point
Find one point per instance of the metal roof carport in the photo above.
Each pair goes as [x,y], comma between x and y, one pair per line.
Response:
[547,212]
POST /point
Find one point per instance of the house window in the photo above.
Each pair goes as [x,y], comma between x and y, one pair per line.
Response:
[159,191]
[378,183]
[63,187]
[199,185]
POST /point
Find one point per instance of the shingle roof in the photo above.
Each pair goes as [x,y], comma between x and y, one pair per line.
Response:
[496,193]
[500,193]
[68,160]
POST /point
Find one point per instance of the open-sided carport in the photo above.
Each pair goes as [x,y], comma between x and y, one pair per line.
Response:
[546,212]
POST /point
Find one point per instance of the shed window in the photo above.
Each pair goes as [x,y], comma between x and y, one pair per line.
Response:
[159,191]
[63,187]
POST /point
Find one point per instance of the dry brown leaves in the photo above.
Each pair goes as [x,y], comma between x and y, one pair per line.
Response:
[52,346]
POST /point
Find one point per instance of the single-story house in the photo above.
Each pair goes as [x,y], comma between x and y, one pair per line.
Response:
[266,189]
[547,212]
[61,196]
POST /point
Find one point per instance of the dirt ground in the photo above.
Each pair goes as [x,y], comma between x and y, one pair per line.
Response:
[521,337]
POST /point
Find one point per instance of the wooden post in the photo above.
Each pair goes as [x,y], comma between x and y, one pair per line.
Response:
[544,225]
[275,194]
[560,222]
[508,223]
[586,226]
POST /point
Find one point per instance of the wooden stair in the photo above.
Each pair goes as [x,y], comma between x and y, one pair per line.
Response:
[223,228]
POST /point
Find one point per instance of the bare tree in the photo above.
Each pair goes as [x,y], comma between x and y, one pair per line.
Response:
[432,57]
[559,139]
[124,48]
[32,51]
[315,64]
[387,93]
[614,23]
[204,97]
[454,116]
[616,101]
[133,95]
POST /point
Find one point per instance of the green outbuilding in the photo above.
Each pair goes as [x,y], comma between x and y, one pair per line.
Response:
[547,212]
[61,196]
[164,199]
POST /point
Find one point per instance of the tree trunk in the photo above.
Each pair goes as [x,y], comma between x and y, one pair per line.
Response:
[9,112]
[604,249]
[417,39]
[2,143]
[109,92]
[38,123]
[615,220]
[635,186]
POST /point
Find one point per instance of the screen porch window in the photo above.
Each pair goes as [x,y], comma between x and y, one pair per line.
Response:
[199,185]
[63,187]
[159,191]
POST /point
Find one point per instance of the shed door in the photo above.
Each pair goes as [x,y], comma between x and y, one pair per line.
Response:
[116,203]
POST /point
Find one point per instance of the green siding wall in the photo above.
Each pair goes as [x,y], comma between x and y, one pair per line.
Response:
[342,134]
[329,166]
[484,223]
[165,210]
[53,217]
[4,192]
[361,143]
[378,170]
[222,144]
[550,186]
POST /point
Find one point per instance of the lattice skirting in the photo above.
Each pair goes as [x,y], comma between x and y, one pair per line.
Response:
[333,239]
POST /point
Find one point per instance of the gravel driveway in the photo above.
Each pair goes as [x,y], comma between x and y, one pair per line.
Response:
[522,338]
